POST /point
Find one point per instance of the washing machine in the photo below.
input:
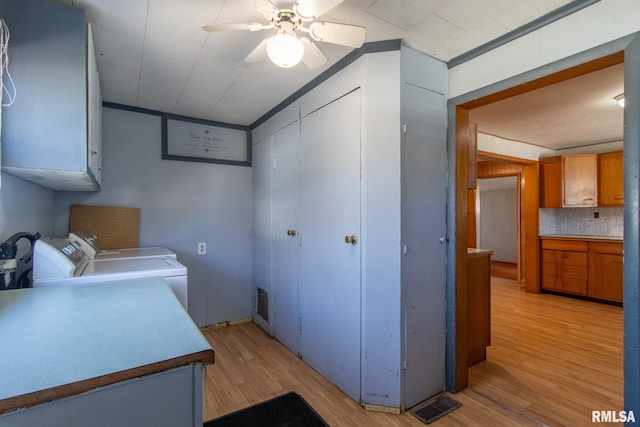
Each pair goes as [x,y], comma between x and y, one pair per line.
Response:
[88,244]
[57,261]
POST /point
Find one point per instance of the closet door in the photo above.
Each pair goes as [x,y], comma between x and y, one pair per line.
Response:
[423,230]
[330,248]
[285,202]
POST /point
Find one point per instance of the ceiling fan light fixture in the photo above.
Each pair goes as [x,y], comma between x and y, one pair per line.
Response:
[285,49]
[620,99]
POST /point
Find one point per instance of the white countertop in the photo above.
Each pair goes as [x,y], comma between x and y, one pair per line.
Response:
[64,340]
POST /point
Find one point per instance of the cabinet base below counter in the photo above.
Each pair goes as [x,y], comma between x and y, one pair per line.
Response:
[587,267]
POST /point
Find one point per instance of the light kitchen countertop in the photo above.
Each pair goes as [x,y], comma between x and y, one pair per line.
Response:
[581,237]
[65,340]
[479,252]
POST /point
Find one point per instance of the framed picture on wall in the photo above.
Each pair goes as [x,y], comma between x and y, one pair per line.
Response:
[196,140]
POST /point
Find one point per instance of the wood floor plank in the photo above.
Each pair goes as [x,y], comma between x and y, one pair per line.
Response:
[552,358]
[552,361]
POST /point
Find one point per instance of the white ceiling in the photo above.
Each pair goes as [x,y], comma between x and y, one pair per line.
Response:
[574,113]
[153,54]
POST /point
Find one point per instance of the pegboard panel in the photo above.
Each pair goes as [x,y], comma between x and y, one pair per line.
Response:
[115,227]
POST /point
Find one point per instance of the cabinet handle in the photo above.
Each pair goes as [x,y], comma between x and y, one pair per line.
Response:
[291,232]
[587,199]
[619,198]
[351,239]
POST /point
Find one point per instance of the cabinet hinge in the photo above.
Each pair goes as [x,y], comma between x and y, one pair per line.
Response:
[273,163]
[299,324]
[404,365]
[404,128]
[404,249]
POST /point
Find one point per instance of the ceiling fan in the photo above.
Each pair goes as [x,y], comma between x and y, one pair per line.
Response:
[284,47]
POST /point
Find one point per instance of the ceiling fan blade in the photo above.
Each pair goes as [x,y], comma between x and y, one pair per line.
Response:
[343,34]
[258,54]
[266,7]
[311,9]
[313,56]
[251,26]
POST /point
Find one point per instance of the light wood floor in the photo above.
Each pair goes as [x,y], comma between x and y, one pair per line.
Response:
[552,361]
[505,270]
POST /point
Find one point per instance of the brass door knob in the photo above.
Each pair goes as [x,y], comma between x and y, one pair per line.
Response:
[291,232]
[351,239]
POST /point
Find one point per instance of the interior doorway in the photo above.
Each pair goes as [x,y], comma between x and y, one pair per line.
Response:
[458,376]
[497,207]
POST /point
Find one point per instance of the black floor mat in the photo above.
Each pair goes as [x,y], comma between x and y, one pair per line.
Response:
[288,410]
[435,409]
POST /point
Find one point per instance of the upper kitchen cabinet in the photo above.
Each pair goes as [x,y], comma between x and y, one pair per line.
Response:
[579,180]
[551,182]
[611,179]
[51,135]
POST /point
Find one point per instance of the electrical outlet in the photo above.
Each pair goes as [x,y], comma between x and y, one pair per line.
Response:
[202,248]
[596,214]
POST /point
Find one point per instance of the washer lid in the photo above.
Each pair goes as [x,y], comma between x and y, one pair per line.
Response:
[160,266]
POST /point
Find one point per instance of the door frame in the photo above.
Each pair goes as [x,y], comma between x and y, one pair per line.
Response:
[458,145]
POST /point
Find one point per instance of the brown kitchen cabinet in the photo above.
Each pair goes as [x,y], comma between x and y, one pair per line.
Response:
[611,179]
[551,182]
[605,271]
[478,304]
[582,266]
[564,266]
[579,180]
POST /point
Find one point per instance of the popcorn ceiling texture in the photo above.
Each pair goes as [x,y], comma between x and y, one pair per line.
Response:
[581,221]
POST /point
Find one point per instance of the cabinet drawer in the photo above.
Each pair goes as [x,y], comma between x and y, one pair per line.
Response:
[606,248]
[565,258]
[567,245]
[565,271]
[574,286]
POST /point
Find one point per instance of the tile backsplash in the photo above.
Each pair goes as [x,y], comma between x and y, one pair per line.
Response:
[581,221]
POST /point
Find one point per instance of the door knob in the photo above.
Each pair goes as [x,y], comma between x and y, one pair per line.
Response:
[291,232]
[351,239]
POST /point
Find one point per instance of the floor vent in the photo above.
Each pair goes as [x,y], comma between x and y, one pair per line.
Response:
[263,304]
[434,409]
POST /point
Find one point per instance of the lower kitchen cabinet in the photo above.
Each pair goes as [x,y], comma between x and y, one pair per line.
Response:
[582,266]
[605,271]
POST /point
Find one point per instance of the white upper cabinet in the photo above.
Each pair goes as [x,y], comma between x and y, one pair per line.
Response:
[51,135]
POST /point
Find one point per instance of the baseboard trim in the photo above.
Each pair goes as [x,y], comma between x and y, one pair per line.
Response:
[384,409]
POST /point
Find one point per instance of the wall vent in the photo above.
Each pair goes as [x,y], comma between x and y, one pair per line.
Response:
[263,303]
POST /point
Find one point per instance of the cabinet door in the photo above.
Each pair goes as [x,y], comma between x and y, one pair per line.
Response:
[285,205]
[611,179]
[551,182]
[329,284]
[579,180]
[94,112]
[423,226]
[605,271]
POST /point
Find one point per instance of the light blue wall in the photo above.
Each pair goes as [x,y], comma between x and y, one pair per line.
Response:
[24,207]
[181,204]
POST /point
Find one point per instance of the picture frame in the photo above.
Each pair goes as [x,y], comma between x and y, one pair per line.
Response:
[196,140]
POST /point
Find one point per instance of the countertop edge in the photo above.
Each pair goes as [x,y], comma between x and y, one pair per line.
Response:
[475,252]
[582,238]
[205,357]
